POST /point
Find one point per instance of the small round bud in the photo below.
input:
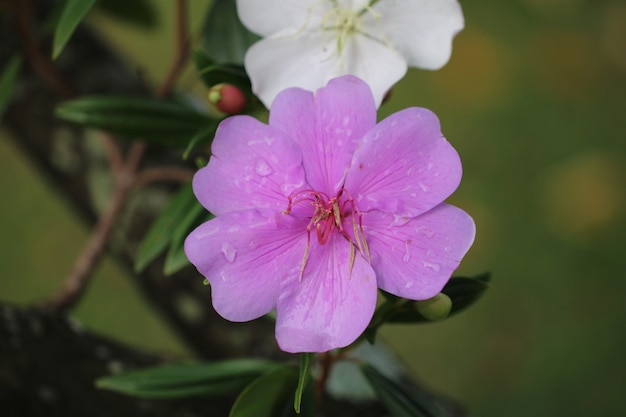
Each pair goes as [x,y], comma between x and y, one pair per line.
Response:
[436,308]
[227,98]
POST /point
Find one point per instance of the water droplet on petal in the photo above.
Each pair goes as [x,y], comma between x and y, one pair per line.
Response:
[413,195]
[423,186]
[346,120]
[407,254]
[430,265]
[430,253]
[426,231]
[229,252]
[262,168]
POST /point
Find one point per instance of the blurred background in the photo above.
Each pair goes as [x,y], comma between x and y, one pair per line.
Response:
[534,100]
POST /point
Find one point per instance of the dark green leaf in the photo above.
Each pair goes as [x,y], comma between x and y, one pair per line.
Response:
[268,395]
[74,11]
[137,12]
[161,233]
[188,379]
[8,80]
[402,400]
[155,121]
[462,291]
[303,378]
[202,137]
[176,258]
[212,73]
[224,38]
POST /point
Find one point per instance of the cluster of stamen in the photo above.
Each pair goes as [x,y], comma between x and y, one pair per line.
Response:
[328,215]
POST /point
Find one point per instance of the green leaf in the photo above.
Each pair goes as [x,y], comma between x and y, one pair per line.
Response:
[8,81]
[462,291]
[402,400]
[176,258]
[161,232]
[188,379]
[202,137]
[138,12]
[157,122]
[303,378]
[74,11]
[224,37]
[212,73]
[272,396]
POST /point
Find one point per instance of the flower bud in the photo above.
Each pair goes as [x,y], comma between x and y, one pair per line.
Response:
[227,98]
[436,308]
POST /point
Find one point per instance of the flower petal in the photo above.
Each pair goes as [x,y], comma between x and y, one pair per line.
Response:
[253,166]
[404,165]
[421,30]
[331,306]
[270,17]
[245,255]
[414,258]
[375,63]
[305,60]
[328,127]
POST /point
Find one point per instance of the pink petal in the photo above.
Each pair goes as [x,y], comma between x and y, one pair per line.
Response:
[404,165]
[253,166]
[414,258]
[328,127]
[330,307]
[245,255]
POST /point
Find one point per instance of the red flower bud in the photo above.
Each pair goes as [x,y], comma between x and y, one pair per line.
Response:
[227,98]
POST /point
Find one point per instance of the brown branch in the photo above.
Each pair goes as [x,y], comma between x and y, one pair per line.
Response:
[32,49]
[182,48]
[126,177]
[162,174]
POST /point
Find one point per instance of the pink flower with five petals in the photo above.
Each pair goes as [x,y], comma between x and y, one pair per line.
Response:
[322,206]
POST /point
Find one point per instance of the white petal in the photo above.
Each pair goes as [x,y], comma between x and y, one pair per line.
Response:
[269,17]
[421,30]
[373,62]
[307,61]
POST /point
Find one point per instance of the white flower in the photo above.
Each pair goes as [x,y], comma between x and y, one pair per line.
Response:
[308,42]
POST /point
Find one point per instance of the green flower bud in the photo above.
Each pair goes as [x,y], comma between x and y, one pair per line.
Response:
[436,308]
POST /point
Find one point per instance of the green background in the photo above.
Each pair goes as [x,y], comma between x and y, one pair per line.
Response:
[534,100]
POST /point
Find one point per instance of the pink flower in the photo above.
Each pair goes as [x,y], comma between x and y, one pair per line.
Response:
[321,207]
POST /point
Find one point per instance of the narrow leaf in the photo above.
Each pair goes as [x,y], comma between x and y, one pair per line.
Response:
[202,137]
[176,258]
[268,395]
[188,379]
[8,81]
[402,400]
[161,232]
[138,12]
[224,37]
[74,11]
[303,378]
[157,122]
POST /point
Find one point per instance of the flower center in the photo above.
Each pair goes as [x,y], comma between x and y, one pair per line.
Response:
[330,214]
[344,22]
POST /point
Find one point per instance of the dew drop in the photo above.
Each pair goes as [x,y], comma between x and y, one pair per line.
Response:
[426,231]
[229,252]
[262,168]
[407,254]
[423,186]
[430,265]
[346,120]
[413,195]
